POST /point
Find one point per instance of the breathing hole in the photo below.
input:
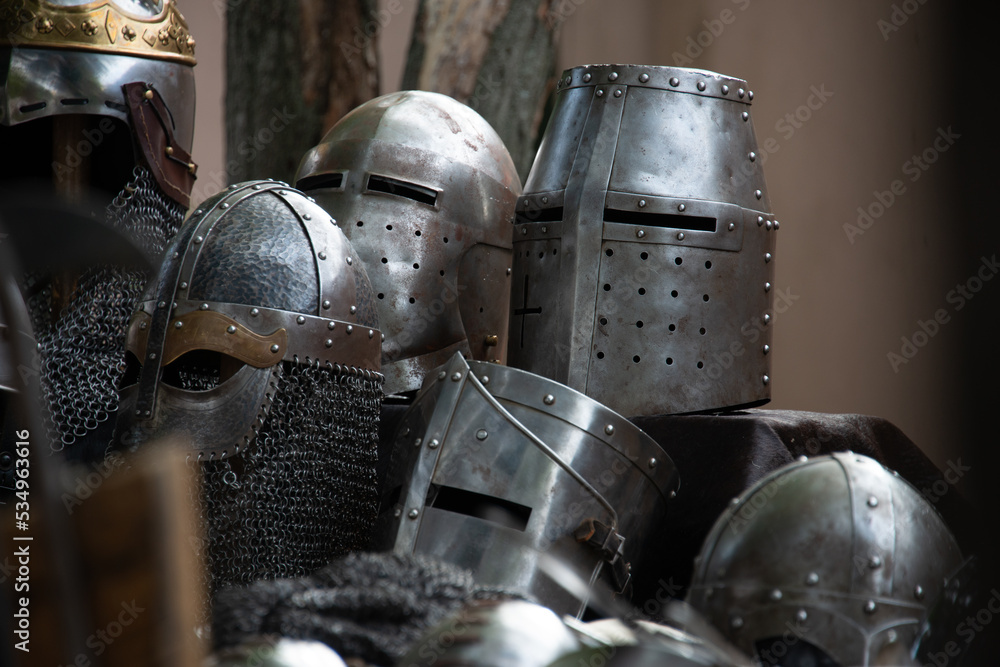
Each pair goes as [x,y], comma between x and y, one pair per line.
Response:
[600,355]
[607,287]
[701,364]
[708,265]
[412,300]
[541,254]
[644,255]
[389,227]
[672,327]
[385,260]
[604,321]
[381,295]
[609,252]
[28,108]
[416,266]
[642,290]
[446,239]
[417,233]
[361,223]
[441,272]
[670,361]
[673,293]
[480,309]
[702,331]
[639,324]
[678,261]
[554,251]
[636,358]
[704,297]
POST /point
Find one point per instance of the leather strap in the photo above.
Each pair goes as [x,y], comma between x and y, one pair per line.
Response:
[610,545]
[152,128]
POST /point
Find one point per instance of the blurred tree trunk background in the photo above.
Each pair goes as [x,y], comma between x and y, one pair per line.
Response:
[294,70]
[497,57]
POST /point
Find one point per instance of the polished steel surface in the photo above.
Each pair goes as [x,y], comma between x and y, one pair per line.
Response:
[46,82]
[644,243]
[425,191]
[493,467]
[837,550]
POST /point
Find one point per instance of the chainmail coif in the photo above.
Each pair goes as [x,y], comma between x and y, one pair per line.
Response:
[82,351]
[303,492]
[372,606]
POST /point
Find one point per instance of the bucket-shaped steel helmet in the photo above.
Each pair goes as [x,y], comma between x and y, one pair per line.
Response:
[644,243]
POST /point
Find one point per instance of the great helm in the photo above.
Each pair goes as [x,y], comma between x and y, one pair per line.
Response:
[834,554]
[258,343]
[75,57]
[644,243]
[492,467]
[425,190]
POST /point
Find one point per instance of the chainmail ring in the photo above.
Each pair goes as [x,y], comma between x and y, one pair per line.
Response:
[82,352]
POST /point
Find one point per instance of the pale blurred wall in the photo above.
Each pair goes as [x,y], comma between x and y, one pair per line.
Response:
[852,301]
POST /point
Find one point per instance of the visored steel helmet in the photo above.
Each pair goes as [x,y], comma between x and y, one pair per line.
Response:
[492,466]
[258,343]
[425,190]
[644,243]
[835,556]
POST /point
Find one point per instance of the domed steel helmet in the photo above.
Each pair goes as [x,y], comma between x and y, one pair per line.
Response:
[425,190]
[259,344]
[643,243]
[835,557]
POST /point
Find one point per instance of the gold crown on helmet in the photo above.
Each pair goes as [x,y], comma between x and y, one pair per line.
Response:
[103,26]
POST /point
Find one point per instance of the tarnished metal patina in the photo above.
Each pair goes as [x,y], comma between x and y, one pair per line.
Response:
[644,243]
[834,555]
[494,469]
[258,275]
[425,190]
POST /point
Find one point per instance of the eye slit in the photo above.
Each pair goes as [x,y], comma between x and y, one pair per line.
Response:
[392,186]
[321,181]
[200,370]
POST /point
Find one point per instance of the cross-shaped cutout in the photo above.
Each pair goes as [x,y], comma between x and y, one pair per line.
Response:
[525,310]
